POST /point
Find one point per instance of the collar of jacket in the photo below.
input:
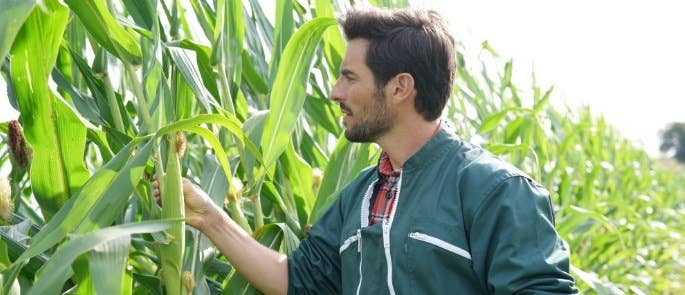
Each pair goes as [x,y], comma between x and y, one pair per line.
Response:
[434,149]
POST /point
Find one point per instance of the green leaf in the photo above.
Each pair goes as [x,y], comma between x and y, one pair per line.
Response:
[186,63]
[505,148]
[277,236]
[334,43]
[486,45]
[322,112]
[102,184]
[55,133]
[229,33]
[283,30]
[12,16]
[55,272]
[108,265]
[112,202]
[142,12]
[214,180]
[493,120]
[289,91]
[346,162]
[299,175]
[253,78]
[540,105]
[104,28]
[203,54]
[253,128]
[231,123]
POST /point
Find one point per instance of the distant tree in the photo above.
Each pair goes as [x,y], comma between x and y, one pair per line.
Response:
[673,141]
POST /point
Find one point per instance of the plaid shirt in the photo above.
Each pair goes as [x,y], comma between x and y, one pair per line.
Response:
[385,191]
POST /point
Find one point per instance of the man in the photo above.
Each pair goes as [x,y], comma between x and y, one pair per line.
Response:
[435,216]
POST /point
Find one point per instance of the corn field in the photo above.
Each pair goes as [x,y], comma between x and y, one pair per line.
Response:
[112,93]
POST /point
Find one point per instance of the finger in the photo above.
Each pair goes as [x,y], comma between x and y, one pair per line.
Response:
[188,187]
[155,184]
[158,199]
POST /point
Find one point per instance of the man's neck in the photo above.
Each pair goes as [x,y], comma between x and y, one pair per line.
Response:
[406,138]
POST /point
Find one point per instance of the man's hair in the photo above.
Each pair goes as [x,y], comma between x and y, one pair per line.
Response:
[407,41]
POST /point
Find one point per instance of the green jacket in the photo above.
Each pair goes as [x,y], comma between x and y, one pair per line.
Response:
[464,222]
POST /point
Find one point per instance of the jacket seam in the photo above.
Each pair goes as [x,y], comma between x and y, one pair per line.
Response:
[490,193]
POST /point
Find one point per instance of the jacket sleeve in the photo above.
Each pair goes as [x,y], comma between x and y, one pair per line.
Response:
[314,267]
[514,245]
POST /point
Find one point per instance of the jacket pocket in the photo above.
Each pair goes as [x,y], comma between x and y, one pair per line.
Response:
[351,259]
[440,244]
[438,259]
[353,240]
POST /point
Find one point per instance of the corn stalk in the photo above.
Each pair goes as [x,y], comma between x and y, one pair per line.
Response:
[249,92]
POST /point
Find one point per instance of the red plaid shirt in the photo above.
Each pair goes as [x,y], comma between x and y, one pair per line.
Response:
[385,191]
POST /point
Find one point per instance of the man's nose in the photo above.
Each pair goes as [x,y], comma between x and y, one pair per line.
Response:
[335,94]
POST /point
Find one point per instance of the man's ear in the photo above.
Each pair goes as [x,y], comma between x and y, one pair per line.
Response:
[402,87]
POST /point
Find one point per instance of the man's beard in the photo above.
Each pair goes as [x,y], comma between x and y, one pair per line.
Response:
[378,121]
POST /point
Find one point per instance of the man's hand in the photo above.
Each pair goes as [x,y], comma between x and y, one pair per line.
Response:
[266,269]
[199,208]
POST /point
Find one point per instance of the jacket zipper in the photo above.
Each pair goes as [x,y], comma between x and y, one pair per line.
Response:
[348,242]
[440,244]
[359,249]
[364,223]
[387,224]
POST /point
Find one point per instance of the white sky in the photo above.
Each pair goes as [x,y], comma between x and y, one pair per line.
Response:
[623,58]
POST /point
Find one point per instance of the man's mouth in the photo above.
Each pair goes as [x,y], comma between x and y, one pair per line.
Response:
[345,110]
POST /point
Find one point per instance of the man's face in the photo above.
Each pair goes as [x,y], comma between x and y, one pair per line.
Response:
[366,113]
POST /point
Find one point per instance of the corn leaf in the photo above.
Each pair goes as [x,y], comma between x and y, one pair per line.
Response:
[185,61]
[214,180]
[104,28]
[229,33]
[283,30]
[56,271]
[346,162]
[299,177]
[203,63]
[492,121]
[142,12]
[277,236]
[334,43]
[192,125]
[289,90]
[78,207]
[108,265]
[12,16]
[55,133]
[112,202]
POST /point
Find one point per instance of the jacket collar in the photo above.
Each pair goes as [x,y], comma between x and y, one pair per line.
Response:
[433,149]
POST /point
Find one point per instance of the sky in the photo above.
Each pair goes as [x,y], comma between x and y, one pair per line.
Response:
[625,59]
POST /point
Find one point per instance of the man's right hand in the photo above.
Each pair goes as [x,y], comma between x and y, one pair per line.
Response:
[265,268]
[199,208]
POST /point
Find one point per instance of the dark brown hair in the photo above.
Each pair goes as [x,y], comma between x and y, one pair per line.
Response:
[407,41]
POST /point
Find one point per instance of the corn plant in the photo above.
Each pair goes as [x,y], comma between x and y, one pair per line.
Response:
[115,93]
[619,211]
